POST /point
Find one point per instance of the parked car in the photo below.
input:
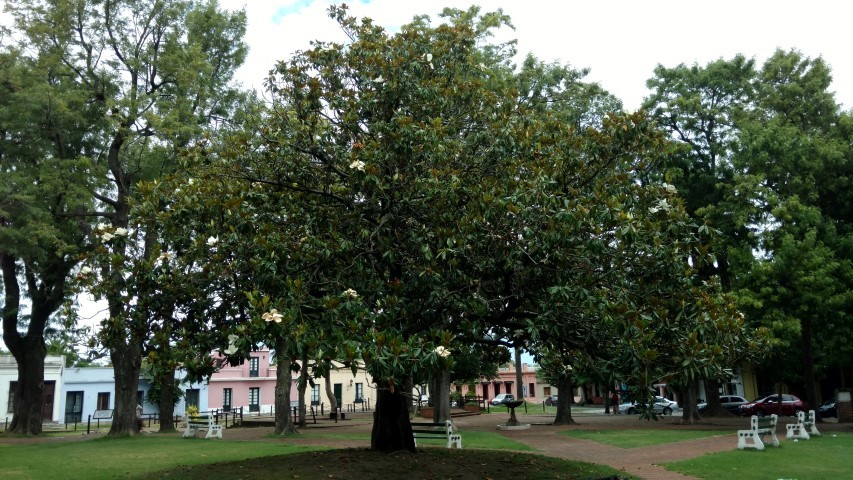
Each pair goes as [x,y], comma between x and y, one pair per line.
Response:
[660,405]
[828,409]
[551,401]
[791,405]
[502,398]
[731,403]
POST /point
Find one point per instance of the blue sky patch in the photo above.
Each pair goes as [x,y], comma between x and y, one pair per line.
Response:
[297,6]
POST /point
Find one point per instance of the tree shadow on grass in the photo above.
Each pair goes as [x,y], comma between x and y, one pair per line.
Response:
[428,463]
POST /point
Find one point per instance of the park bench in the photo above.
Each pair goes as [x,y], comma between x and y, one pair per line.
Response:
[208,422]
[442,431]
[805,427]
[758,427]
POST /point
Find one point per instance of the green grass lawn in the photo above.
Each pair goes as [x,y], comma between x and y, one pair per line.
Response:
[825,457]
[639,438]
[155,456]
[105,458]
[472,439]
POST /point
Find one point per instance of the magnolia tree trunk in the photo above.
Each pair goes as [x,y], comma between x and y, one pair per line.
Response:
[715,407]
[439,395]
[166,402]
[687,399]
[127,362]
[392,430]
[301,386]
[519,375]
[283,418]
[330,394]
[564,401]
[29,392]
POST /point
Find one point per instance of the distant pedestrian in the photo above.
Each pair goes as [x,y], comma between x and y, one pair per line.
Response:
[614,402]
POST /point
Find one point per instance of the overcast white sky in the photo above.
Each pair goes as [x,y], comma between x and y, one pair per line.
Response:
[621,41]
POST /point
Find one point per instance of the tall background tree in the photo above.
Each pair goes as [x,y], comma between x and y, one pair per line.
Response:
[160,73]
[44,146]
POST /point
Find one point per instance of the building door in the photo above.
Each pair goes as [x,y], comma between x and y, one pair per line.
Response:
[227,394]
[338,389]
[255,399]
[73,407]
[47,401]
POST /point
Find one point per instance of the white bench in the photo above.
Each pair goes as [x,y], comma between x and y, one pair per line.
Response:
[200,422]
[437,430]
[805,427]
[758,427]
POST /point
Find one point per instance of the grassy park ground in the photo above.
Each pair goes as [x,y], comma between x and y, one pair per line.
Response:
[600,446]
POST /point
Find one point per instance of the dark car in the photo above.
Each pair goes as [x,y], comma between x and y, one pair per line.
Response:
[551,400]
[791,405]
[731,403]
[828,409]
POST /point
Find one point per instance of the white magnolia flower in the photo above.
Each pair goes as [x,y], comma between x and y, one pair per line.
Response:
[231,350]
[211,241]
[379,80]
[662,205]
[232,338]
[428,57]
[121,232]
[272,316]
[106,236]
[190,181]
[670,188]
[101,227]
[357,164]
[85,270]
[351,293]
[442,352]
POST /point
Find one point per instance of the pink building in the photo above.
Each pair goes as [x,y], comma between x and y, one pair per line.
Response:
[504,382]
[250,385]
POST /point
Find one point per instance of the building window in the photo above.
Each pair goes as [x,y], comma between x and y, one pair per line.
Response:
[359,392]
[255,399]
[73,407]
[140,397]
[254,366]
[12,387]
[226,399]
[531,390]
[315,395]
[546,391]
[103,401]
[192,396]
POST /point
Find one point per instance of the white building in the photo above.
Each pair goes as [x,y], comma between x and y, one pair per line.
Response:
[54,366]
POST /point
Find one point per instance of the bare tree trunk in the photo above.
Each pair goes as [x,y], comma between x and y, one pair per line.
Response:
[283,418]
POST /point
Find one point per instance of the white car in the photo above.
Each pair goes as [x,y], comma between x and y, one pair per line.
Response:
[660,405]
[502,398]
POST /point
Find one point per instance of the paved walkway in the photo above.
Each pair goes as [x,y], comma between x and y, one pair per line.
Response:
[643,462]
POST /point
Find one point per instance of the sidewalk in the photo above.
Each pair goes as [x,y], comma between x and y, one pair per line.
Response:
[643,462]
